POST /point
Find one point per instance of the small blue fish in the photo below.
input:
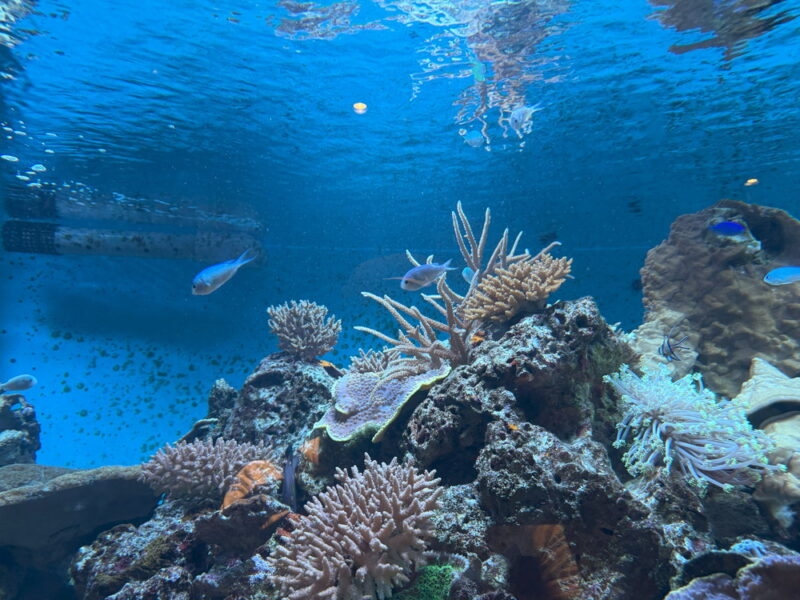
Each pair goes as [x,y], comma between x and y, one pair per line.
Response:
[473,138]
[423,275]
[212,278]
[728,228]
[783,276]
[468,275]
[20,383]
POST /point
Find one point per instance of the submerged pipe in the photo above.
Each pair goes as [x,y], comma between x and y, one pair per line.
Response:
[84,203]
[50,238]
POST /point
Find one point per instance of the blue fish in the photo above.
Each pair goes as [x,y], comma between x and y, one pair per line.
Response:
[423,275]
[729,228]
[212,278]
[468,275]
[783,276]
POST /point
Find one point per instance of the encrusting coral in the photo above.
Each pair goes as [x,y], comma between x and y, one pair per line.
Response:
[524,284]
[303,328]
[370,401]
[362,538]
[202,469]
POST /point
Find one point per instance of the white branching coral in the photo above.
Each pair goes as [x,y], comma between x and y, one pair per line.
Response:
[303,328]
[362,537]
[679,421]
[202,469]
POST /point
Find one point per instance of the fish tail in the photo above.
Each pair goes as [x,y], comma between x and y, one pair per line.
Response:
[246,257]
[446,266]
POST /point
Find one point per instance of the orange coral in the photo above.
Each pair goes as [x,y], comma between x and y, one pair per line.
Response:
[543,566]
[310,450]
[251,475]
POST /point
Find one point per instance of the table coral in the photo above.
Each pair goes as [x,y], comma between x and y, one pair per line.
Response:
[369,402]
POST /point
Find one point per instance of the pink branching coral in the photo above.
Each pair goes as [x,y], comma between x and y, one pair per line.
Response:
[362,537]
[200,469]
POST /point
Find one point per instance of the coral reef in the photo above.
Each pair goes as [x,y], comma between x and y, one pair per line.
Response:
[711,440]
[361,538]
[368,402]
[522,287]
[303,328]
[202,469]
[771,578]
[715,284]
[279,401]
[19,430]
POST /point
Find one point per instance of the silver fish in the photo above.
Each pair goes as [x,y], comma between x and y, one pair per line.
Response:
[19,383]
[212,278]
[520,117]
[424,275]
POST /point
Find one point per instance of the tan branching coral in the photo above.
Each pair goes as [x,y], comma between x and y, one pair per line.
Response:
[202,469]
[523,285]
[303,328]
[418,338]
[373,361]
[362,537]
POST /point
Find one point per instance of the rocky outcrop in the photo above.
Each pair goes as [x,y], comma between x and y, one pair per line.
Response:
[19,430]
[711,286]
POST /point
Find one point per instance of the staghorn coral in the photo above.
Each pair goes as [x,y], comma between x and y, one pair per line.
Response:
[524,284]
[200,469]
[711,440]
[366,402]
[362,537]
[303,328]
[373,361]
[419,342]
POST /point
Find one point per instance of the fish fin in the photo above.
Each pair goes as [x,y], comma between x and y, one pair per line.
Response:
[446,266]
[394,278]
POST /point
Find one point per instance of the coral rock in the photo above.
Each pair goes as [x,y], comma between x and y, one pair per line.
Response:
[19,430]
[716,283]
[303,328]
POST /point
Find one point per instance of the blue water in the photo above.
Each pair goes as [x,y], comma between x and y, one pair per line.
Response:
[238,107]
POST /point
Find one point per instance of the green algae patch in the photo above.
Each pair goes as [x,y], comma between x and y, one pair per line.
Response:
[432,583]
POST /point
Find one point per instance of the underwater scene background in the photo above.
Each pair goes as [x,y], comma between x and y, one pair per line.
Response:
[143,142]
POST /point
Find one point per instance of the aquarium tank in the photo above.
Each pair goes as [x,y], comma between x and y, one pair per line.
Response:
[400,299]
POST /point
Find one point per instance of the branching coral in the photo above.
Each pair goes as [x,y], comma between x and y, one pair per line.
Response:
[418,339]
[303,329]
[373,361]
[711,440]
[362,537]
[201,469]
[527,283]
